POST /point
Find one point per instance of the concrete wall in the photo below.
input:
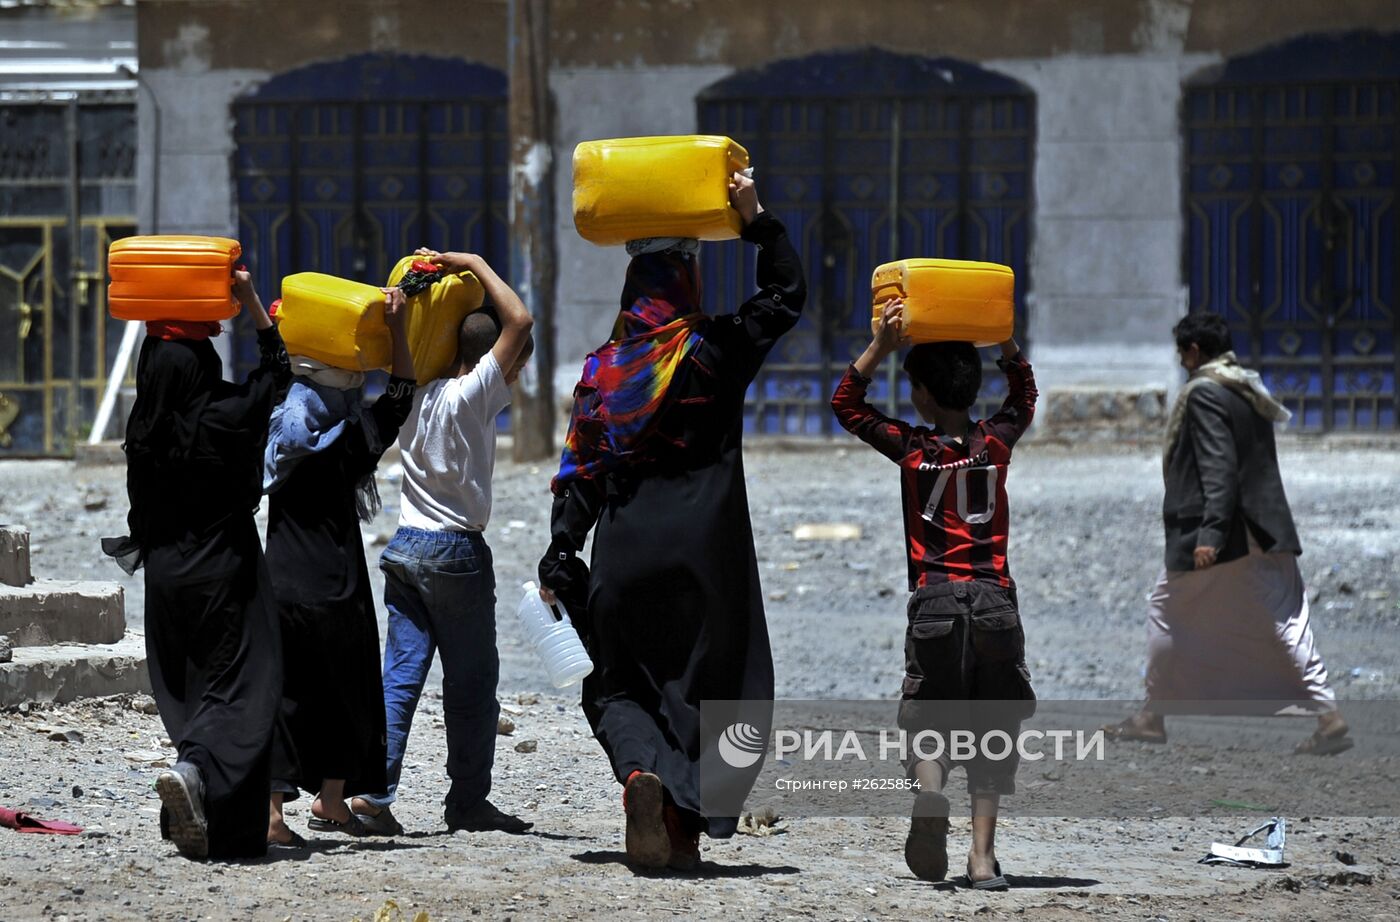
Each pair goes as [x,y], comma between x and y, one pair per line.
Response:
[198,57]
[590,103]
[281,35]
[742,33]
[1106,279]
[1106,250]
[1106,256]
[194,172]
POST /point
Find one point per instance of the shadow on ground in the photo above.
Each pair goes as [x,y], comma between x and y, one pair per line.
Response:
[707,869]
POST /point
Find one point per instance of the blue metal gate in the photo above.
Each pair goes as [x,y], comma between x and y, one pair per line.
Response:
[345,167]
[867,157]
[1291,221]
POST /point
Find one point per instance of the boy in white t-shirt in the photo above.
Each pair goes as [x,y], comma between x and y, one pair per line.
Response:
[439,585]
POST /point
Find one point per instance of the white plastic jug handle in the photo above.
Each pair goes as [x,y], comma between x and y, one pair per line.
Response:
[529,587]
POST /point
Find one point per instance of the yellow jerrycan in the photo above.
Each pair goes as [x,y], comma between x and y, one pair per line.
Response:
[628,188]
[434,315]
[334,320]
[948,299]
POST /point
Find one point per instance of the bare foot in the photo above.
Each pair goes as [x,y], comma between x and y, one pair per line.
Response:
[1331,724]
[334,810]
[363,807]
[279,831]
[981,867]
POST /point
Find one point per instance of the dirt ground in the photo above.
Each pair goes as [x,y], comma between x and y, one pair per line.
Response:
[1086,546]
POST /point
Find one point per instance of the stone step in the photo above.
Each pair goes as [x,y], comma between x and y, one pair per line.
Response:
[103,453]
[50,611]
[64,672]
[14,556]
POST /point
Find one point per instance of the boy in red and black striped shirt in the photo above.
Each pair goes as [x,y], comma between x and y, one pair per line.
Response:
[964,641]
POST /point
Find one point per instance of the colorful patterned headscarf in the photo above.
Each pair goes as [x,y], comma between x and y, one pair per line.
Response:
[627,382]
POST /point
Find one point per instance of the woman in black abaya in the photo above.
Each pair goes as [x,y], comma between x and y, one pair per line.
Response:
[194,446]
[672,610]
[319,477]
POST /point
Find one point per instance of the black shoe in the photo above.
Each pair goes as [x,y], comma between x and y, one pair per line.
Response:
[380,824]
[181,790]
[484,817]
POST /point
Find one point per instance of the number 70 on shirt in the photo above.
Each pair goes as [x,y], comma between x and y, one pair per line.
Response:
[934,508]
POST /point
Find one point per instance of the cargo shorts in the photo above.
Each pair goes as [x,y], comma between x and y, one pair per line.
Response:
[965,670]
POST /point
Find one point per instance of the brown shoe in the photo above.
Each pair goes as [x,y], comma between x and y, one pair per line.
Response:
[1324,744]
[685,845]
[926,848]
[643,798]
[1135,729]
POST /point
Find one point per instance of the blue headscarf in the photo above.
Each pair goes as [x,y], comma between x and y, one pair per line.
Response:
[308,421]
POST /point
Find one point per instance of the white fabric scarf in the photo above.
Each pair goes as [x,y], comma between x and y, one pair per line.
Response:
[327,375]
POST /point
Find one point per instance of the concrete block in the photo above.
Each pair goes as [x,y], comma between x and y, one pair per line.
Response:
[101,454]
[14,556]
[62,611]
[1105,366]
[65,672]
[1102,414]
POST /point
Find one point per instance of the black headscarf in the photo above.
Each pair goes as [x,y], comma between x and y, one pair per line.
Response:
[175,380]
[193,447]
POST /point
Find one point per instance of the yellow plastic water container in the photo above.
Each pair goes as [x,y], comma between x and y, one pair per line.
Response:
[334,320]
[948,299]
[434,317]
[171,277]
[628,188]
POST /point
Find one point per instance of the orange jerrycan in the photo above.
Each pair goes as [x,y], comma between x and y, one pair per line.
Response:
[172,278]
[948,299]
[434,316]
[628,188]
[334,320]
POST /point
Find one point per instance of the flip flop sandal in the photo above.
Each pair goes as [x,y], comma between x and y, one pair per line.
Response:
[351,827]
[992,883]
[1126,731]
[1321,745]
[294,842]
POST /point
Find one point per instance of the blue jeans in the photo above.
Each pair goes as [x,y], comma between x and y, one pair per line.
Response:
[440,589]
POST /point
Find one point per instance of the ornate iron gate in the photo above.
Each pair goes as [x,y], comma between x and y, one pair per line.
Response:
[343,168]
[1291,223]
[67,189]
[869,157]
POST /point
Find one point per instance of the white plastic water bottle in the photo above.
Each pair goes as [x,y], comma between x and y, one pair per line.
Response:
[552,634]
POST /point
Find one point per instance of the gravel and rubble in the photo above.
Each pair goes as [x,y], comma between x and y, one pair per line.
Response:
[1085,549]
